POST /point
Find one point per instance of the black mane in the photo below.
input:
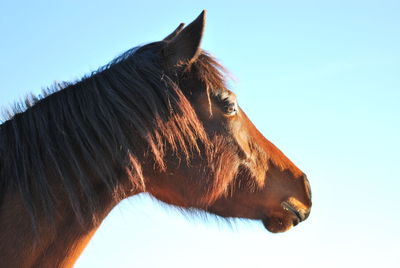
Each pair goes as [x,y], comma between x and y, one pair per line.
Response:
[57,143]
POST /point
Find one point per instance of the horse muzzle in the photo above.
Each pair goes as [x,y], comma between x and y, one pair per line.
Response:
[293,212]
[300,213]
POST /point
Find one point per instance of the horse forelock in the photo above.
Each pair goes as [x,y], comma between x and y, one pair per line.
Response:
[76,131]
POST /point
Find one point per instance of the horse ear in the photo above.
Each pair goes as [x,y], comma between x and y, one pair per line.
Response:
[174,33]
[184,46]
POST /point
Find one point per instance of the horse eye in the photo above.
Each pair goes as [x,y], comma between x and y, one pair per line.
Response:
[226,101]
[231,108]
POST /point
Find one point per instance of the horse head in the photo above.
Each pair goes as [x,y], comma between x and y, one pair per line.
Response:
[234,171]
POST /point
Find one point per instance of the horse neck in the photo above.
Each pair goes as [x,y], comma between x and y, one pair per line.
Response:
[80,157]
[57,245]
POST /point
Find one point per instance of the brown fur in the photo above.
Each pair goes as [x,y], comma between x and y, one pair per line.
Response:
[158,119]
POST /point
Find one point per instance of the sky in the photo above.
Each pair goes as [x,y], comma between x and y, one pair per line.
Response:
[320,79]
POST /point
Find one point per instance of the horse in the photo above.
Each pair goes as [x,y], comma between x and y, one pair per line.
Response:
[157,119]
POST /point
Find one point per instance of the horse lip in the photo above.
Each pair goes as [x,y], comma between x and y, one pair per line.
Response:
[289,207]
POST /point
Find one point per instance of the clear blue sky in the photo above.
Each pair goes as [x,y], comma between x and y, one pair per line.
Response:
[321,80]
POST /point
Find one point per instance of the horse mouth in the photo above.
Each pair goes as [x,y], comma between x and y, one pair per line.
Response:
[299,215]
[292,216]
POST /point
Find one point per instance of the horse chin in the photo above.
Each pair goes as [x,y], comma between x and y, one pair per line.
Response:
[278,225]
